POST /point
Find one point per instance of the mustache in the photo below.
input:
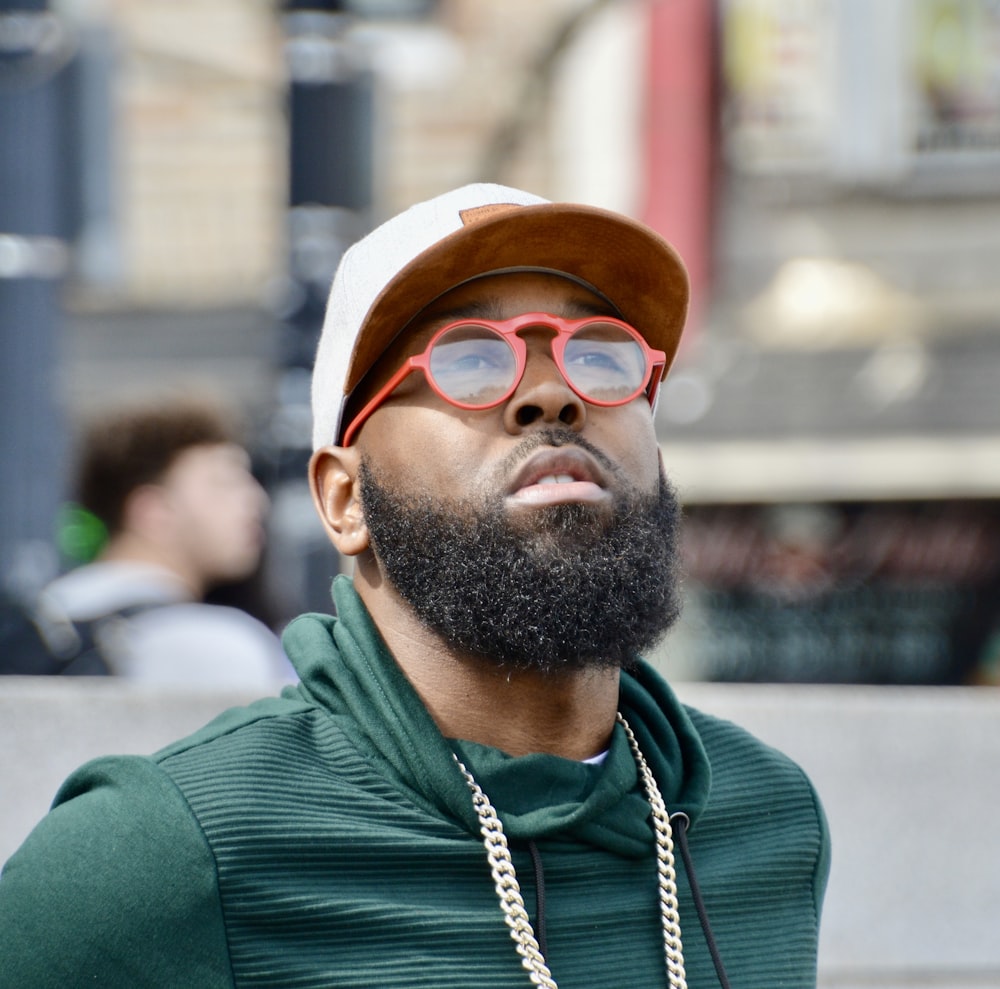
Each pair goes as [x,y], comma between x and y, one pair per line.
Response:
[555,436]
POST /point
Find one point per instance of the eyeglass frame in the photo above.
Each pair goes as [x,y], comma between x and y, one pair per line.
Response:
[509,330]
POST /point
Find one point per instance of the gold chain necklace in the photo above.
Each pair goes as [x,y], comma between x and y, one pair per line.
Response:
[509,891]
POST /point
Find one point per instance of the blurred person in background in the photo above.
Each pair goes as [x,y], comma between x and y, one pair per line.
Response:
[172,488]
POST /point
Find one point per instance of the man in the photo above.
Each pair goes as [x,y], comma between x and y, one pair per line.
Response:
[477,782]
[172,487]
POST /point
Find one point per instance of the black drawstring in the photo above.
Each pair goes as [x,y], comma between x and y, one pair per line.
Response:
[680,833]
[536,864]
[681,822]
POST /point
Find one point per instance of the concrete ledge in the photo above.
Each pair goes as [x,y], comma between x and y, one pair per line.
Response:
[50,726]
[910,779]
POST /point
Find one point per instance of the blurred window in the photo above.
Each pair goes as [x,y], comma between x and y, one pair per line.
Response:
[898,91]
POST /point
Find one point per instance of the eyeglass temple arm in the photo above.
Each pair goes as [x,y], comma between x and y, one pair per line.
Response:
[407,368]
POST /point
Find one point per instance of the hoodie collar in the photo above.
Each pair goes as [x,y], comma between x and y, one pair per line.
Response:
[347,670]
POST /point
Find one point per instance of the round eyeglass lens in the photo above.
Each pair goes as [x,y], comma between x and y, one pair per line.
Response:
[473,365]
[605,362]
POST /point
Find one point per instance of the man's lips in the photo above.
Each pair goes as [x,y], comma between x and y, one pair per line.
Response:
[554,477]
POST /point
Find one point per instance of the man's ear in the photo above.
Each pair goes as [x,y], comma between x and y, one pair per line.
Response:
[333,481]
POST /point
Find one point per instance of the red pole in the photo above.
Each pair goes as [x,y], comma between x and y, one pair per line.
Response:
[680,126]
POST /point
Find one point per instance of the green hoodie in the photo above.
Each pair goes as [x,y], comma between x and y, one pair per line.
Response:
[326,838]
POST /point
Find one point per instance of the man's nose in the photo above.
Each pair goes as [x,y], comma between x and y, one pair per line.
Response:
[543,395]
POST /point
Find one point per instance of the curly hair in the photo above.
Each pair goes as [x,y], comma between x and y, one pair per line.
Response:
[126,448]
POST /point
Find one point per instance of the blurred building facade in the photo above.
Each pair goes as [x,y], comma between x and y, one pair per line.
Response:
[828,167]
[836,423]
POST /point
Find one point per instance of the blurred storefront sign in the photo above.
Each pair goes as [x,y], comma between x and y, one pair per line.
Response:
[890,593]
[850,560]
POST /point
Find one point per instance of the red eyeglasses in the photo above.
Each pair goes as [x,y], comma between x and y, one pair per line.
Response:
[477,364]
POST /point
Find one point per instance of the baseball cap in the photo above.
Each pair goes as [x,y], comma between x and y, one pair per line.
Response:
[386,278]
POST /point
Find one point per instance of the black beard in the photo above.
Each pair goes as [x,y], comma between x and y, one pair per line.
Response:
[580,588]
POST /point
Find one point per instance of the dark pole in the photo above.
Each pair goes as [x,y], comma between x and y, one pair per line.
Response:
[330,107]
[330,101]
[33,258]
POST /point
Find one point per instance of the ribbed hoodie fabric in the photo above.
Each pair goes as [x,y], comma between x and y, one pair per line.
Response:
[327,839]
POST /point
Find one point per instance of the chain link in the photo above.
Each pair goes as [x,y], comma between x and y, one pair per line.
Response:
[667,876]
[506,884]
[509,890]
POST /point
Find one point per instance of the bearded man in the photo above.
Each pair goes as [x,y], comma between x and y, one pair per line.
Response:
[478,781]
